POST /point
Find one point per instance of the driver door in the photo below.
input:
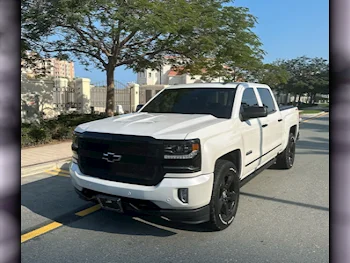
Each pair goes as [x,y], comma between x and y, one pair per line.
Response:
[251,131]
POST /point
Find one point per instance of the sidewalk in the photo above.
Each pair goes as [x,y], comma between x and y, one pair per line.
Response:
[37,159]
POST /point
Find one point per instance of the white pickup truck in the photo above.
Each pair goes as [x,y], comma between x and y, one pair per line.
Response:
[185,154]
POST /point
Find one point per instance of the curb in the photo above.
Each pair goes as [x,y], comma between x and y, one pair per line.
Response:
[314,116]
[39,168]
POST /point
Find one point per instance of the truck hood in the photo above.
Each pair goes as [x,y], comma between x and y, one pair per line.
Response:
[158,126]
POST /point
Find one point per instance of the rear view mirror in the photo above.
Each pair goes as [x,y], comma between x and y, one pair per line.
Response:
[253,112]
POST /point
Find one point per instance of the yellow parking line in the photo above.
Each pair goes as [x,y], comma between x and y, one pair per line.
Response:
[88,210]
[62,171]
[40,231]
[56,173]
[49,227]
[322,114]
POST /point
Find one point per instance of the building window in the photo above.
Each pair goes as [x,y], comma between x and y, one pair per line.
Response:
[149,74]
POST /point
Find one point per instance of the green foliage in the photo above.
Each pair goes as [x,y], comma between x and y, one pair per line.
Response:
[58,130]
[307,75]
[139,33]
[275,75]
[39,135]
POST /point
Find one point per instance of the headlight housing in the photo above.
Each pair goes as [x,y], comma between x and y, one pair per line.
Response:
[181,149]
[182,156]
[75,145]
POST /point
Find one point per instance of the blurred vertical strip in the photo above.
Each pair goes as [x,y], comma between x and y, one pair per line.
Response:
[10,131]
[340,131]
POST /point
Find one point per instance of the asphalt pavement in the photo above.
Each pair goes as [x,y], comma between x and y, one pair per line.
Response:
[283,216]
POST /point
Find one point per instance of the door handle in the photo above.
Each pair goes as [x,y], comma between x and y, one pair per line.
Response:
[280,120]
[265,125]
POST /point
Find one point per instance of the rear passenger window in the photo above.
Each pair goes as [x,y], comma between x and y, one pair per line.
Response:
[249,99]
[267,100]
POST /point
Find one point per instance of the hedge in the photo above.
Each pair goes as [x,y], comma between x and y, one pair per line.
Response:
[53,130]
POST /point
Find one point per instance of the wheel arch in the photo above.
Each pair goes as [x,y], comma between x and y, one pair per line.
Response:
[235,157]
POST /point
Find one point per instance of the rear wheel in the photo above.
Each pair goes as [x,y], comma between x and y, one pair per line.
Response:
[225,195]
[285,160]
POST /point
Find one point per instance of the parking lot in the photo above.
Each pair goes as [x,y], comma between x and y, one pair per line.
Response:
[283,216]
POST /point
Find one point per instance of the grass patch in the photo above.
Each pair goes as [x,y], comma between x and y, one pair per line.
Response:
[323,105]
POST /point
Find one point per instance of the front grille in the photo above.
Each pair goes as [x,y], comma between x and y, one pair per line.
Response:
[140,163]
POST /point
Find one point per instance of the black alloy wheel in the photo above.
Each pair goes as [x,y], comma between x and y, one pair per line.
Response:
[225,195]
[285,160]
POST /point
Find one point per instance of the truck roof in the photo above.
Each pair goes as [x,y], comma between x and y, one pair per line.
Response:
[230,85]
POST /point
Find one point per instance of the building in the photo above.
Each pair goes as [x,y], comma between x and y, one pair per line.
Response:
[167,75]
[153,81]
[48,67]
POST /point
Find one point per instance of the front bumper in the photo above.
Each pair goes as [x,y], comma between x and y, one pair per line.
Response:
[189,216]
[164,195]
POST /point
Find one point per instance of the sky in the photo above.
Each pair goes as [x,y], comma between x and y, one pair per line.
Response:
[287,29]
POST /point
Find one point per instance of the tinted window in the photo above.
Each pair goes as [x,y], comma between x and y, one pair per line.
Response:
[249,99]
[216,102]
[267,100]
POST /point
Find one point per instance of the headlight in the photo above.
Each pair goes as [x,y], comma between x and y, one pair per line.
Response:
[75,139]
[75,143]
[181,149]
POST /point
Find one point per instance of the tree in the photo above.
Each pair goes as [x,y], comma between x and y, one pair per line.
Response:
[273,74]
[319,79]
[307,76]
[139,33]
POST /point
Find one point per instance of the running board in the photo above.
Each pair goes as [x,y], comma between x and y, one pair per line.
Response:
[258,171]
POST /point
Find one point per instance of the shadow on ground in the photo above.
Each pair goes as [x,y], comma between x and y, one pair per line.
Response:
[312,147]
[322,124]
[54,198]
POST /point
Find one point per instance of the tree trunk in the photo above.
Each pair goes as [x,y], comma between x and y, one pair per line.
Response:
[110,103]
[309,97]
[299,98]
[295,98]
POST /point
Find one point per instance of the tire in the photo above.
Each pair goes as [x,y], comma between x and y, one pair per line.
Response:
[225,195]
[285,160]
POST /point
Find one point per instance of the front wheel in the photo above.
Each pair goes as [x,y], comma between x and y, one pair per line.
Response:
[285,160]
[225,195]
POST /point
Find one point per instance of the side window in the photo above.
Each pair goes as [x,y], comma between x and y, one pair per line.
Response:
[249,99]
[267,100]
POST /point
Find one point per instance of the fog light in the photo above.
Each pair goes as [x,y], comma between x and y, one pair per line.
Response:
[183,195]
[75,157]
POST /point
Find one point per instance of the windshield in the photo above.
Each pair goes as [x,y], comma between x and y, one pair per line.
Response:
[214,101]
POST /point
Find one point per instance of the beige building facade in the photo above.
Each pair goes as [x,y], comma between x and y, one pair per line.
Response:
[48,67]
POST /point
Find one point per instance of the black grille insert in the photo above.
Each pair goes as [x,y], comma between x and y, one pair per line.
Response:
[140,162]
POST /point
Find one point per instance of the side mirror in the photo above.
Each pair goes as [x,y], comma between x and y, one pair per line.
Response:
[253,113]
[138,107]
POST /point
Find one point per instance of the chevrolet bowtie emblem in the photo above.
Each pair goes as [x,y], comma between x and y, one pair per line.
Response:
[111,157]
